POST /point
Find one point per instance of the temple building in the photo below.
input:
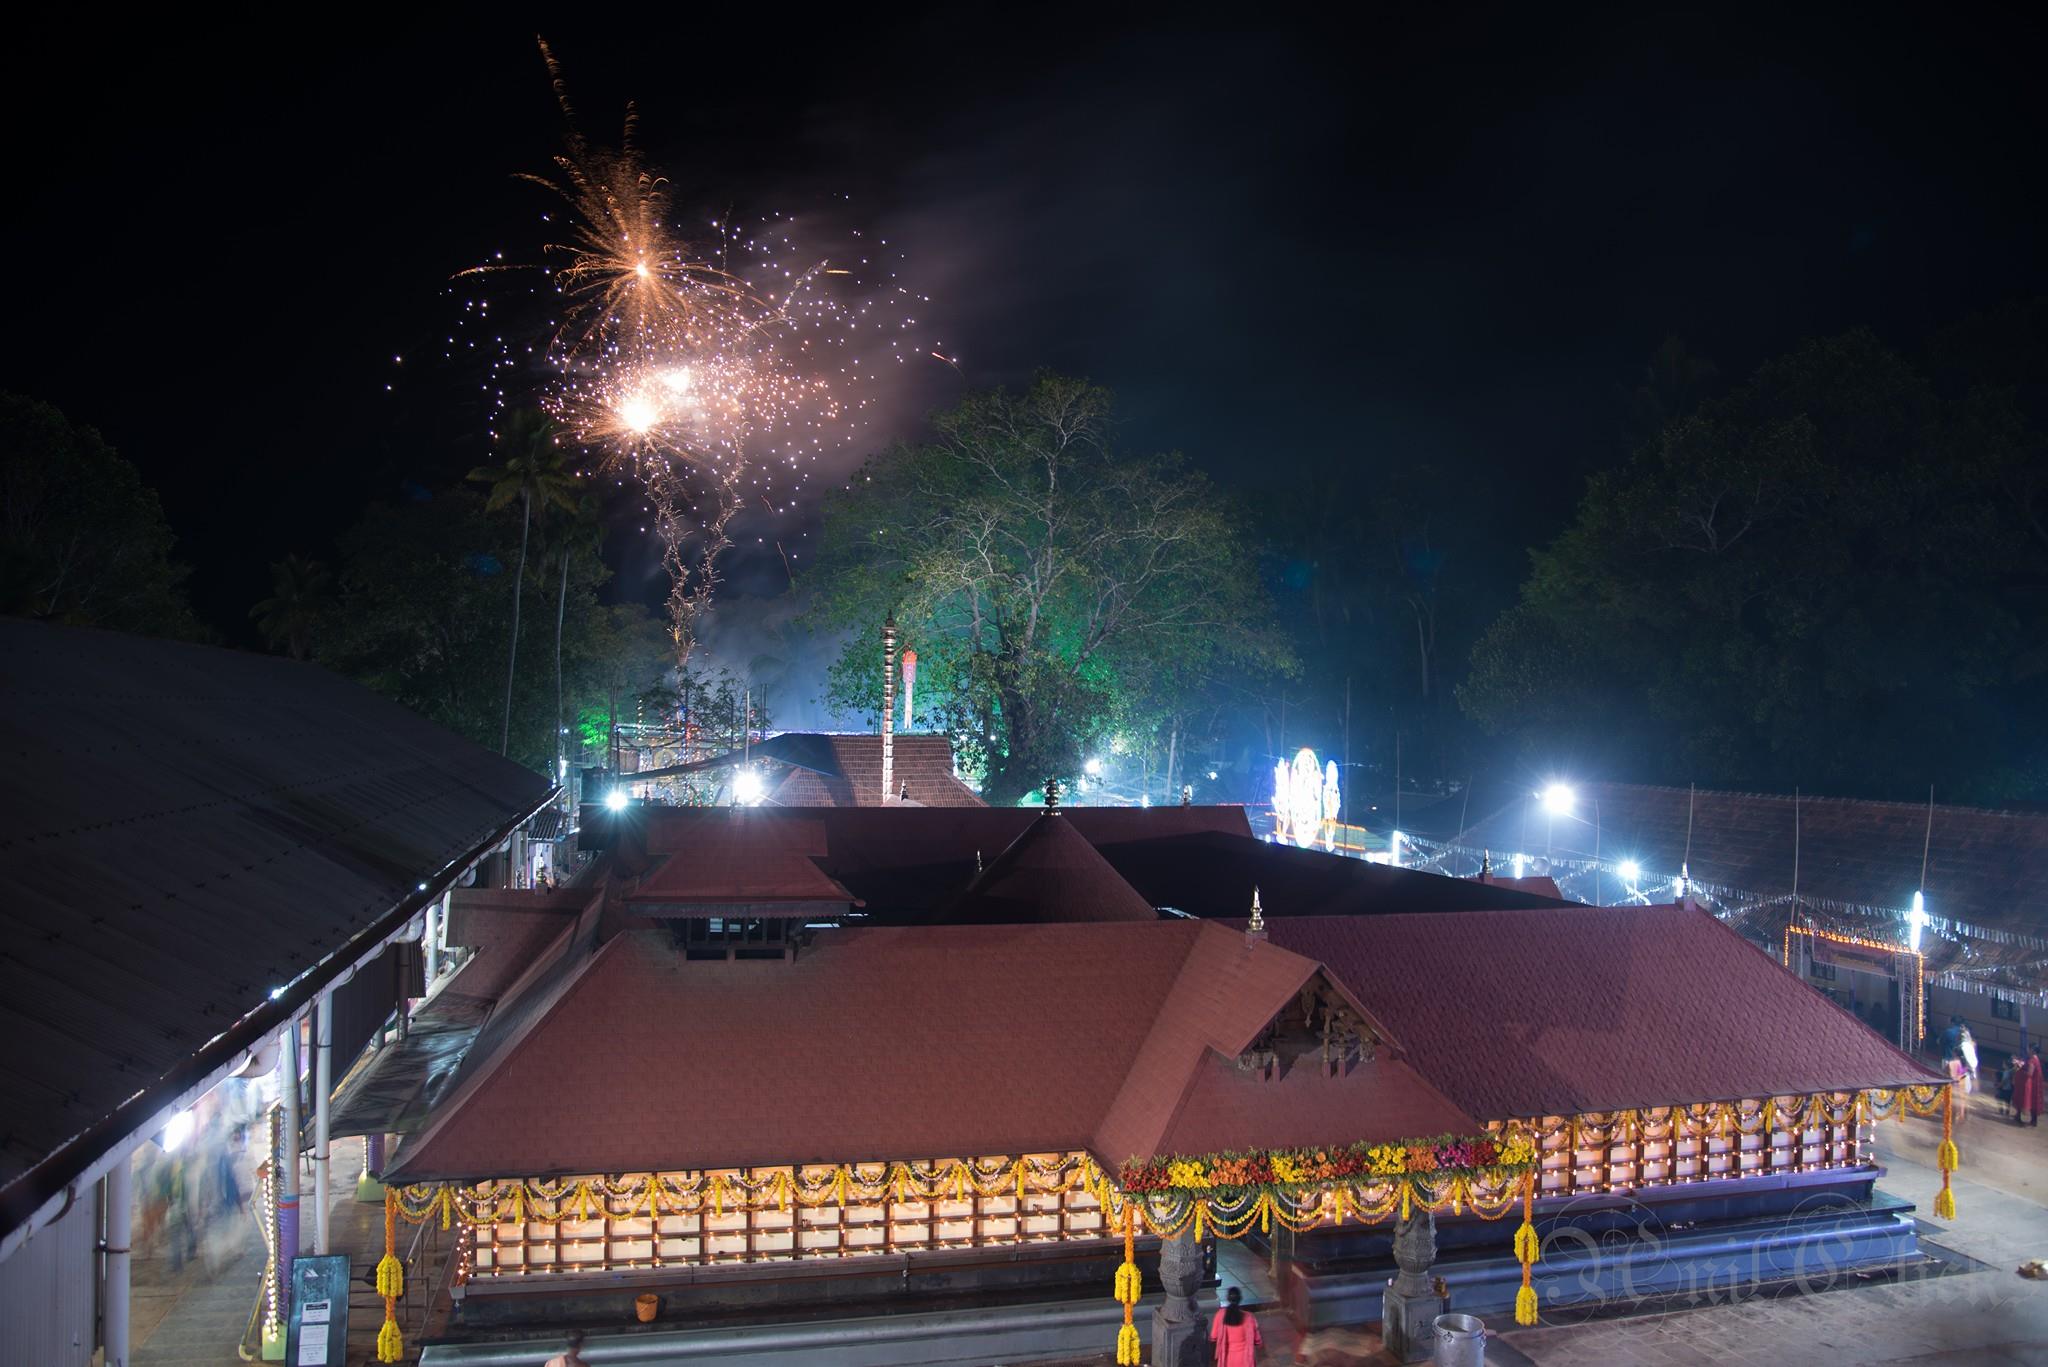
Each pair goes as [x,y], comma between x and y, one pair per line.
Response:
[769,1062]
[825,769]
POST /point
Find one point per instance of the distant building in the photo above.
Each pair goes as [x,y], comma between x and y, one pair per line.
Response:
[829,769]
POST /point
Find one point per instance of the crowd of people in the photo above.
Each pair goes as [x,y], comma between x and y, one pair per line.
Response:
[2018,1081]
[194,1186]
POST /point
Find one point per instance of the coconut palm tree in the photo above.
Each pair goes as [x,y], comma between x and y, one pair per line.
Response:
[579,529]
[535,472]
[301,596]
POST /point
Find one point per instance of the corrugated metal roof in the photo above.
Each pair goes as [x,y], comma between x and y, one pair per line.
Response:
[183,830]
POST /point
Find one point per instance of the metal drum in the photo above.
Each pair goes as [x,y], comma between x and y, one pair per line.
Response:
[1460,1341]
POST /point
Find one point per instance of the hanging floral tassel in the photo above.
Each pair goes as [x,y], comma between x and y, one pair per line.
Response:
[1947,1159]
[390,1283]
[1527,1250]
[1020,1181]
[390,1272]
[1129,1286]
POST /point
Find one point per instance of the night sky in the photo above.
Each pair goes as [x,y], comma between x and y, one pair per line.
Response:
[1454,240]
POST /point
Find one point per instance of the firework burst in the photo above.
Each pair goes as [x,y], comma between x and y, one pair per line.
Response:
[710,370]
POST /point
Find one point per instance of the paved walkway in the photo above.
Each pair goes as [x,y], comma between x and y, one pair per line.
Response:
[1989,1316]
[197,1316]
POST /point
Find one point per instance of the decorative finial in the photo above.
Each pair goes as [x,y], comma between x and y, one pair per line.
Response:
[1187,794]
[977,861]
[1485,865]
[1256,931]
[1052,794]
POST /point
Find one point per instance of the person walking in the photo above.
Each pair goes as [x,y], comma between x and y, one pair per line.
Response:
[2005,1089]
[2026,1090]
[1235,1333]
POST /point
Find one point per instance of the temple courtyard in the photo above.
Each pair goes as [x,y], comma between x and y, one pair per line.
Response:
[1976,1309]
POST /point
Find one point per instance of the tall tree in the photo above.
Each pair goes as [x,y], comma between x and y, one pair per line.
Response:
[536,472]
[424,614]
[301,598]
[578,530]
[82,539]
[1826,578]
[1038,572]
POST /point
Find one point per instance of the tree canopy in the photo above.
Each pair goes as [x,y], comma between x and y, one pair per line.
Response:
[1055,589]
[425,618]
[1833,576]
[82,539]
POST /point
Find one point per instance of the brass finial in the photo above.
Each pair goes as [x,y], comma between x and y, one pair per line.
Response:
[1486,864]
[1258,925]
[1052,794]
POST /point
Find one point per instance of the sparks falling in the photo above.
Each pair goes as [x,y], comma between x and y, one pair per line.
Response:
[711,371]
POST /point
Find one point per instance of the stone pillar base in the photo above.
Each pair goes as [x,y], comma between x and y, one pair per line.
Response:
[1408,1323]
[1177,1343]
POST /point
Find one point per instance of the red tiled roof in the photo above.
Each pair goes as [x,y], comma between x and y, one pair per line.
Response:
[508,929]
[1049,873]
[1208,873]
[1384,1099]
[880,1042]
[1547,1012]
[736,857]
[906,862]
[950,1040]
[1172,1101]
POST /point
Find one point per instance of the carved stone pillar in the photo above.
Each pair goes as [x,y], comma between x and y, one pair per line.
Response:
[1409,1307]
[1178,1336]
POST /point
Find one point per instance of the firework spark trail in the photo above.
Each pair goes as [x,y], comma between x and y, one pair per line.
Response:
[701,370]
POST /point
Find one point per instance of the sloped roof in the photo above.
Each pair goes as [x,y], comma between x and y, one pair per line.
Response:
[881,1043]
[1212,874]
[1049,873]
[905,863]
[1175,1100]
[1986,869]
[737,858]
[1549,1012]
[185,829]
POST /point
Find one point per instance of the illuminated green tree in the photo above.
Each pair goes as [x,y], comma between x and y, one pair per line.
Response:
[1047,581]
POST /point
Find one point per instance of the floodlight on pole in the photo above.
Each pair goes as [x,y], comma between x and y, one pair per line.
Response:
[1631,872]
[747,788]
[615,800]
[1916,921]
[1558,799]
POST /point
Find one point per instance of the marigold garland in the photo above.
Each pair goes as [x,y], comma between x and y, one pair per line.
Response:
[390,1284]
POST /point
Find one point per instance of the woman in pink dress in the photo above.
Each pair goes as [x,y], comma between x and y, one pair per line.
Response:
[1235,1334]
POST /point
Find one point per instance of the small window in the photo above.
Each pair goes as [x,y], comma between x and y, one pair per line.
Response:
[2005,1010]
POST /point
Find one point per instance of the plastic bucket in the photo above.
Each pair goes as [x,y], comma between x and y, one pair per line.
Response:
[646,1307]
[1460,1341]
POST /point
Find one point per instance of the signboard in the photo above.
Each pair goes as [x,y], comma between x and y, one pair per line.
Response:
[317,1334]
